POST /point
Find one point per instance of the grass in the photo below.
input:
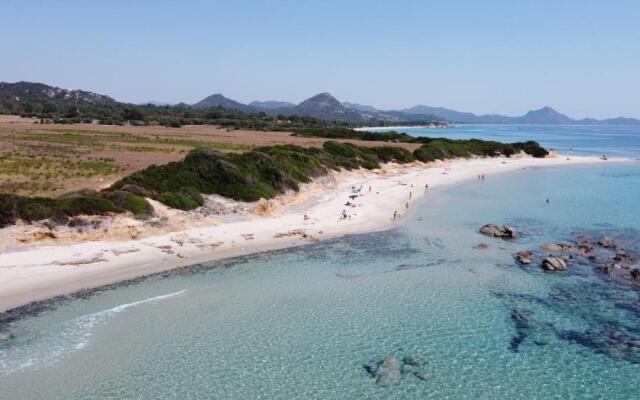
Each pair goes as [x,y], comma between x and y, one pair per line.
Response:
[33,174]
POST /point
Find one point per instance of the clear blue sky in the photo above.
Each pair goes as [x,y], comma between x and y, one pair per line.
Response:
[581,57]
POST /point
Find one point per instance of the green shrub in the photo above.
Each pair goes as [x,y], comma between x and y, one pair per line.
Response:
[395,154]
[8,210]
[88,205]
[181,201]
[138,205]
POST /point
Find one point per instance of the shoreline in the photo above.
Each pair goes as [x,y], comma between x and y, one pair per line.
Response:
[42,272]
[370,128]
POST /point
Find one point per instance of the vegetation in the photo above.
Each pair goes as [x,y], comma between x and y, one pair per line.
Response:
[432,148]
[50,112]
[263,172]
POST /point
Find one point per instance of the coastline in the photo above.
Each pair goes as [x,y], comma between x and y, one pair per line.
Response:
[377,128]
[40,272]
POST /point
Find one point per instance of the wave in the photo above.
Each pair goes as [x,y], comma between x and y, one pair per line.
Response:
[49,349]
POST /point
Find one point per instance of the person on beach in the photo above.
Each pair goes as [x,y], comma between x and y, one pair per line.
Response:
[306,217]
[426,186]
[369,188]
[406,205]
[410,194]
[395,215]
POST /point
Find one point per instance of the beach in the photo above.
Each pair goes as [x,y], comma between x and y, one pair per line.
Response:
[36,272]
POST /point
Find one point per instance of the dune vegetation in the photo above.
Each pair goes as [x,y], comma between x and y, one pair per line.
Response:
[263,172]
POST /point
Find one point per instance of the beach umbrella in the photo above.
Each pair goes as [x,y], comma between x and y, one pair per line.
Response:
[353,196]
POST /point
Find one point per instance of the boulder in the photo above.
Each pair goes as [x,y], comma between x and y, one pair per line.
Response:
[554,263]
[499,231]
[524,256]
[388,372]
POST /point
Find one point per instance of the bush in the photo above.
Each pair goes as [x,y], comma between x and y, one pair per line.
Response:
[138,205]
[181,201]
[88,205]
[397,154]
[8,210]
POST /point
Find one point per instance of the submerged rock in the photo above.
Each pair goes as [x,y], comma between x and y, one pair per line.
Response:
[499,231]
[481,246]
[413,361]
[422,376]
[607,242]
[524,256]
[388,371]
[554,263]
[622,256]
[557,247]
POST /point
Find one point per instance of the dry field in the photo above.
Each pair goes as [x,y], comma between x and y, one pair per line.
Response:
[50,160]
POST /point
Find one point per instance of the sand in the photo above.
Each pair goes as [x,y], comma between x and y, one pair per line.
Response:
[35,272]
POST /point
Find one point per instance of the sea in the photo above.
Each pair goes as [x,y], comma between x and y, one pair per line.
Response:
[461,317]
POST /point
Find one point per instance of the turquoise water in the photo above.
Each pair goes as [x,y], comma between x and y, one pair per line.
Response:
[614,141]
[301,323]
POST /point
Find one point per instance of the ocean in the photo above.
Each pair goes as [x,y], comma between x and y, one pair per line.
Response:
[307,322]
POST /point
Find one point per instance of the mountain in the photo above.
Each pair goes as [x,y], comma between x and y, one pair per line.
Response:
[360,107]
[218,100]
[325,106]
[24,92]
[271,104]
[544,115]
[445,113]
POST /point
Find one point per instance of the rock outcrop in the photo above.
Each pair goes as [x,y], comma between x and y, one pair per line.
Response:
[499,231]
[554,263]
[524,256]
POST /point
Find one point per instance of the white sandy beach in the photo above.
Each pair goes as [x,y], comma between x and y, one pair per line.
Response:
[35,272]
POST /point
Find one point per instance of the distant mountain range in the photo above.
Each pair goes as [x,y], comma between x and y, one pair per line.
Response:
[545,115]
[323,106]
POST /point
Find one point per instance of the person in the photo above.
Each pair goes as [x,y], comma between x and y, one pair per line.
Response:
[306,217]
[395,215]
[406,204]
[344,214]
[410,194]
[426,186]
[547,200]
[369,188]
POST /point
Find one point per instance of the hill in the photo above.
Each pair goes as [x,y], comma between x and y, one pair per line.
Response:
[218,100]
[29,92]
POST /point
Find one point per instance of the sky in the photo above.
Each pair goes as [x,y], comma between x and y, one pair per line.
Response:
[507,57]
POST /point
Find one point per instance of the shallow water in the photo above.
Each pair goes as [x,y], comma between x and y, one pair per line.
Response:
[301,323]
